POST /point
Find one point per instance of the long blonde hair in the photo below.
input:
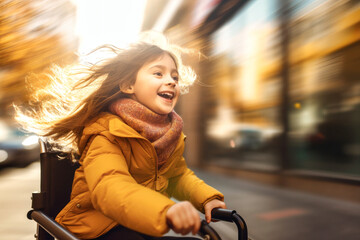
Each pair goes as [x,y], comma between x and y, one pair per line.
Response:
[76,94]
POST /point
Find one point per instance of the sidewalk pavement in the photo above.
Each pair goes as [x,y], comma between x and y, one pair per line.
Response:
[16,186]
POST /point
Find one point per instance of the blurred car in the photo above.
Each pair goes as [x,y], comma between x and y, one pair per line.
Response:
[241,136]
[17,147]
[338,133]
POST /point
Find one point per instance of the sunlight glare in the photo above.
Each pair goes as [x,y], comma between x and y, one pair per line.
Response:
[108,22]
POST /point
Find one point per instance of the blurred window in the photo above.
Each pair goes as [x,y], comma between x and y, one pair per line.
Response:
[324,89]
[244,100]
[242,111]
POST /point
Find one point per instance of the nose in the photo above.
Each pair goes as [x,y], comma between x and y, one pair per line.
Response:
[170,81]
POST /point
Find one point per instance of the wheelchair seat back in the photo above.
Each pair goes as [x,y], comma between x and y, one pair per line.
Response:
[56,176]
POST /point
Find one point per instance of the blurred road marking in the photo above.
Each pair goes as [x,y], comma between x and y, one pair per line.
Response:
[285,213]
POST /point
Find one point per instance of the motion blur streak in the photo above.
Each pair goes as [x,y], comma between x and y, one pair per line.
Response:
[33,34]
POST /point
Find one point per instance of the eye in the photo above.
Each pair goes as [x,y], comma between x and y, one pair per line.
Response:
[159,74]
[176,78]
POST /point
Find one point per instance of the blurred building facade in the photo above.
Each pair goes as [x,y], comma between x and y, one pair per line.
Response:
[278,96]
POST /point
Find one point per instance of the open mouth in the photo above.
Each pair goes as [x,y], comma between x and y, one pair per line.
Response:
[166,95]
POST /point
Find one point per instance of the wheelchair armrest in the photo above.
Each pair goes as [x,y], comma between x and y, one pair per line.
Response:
[52,227]
[231,216]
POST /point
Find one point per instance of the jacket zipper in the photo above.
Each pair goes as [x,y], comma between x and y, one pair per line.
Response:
[156,170]
[156,164]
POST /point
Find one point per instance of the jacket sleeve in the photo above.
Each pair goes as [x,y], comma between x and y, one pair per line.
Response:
[187,186]
[116,194]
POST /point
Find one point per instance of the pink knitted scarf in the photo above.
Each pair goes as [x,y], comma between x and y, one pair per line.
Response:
[163,131]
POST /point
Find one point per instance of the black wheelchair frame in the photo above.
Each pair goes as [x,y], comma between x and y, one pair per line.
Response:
[56,177]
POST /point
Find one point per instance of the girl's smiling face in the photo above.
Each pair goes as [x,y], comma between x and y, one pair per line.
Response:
[156,85]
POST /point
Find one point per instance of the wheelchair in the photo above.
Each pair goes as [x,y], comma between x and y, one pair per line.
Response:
[56,177]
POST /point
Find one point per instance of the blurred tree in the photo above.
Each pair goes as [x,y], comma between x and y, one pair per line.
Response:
[33,35]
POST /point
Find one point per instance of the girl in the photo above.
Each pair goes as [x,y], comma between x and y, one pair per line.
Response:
[131,145]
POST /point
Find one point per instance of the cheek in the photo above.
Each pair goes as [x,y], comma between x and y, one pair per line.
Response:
[177,98]
[177,91]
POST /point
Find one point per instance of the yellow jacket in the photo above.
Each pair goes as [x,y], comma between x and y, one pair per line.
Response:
[119,182]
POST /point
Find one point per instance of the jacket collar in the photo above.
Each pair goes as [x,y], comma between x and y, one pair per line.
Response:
[115,126]
[120,129]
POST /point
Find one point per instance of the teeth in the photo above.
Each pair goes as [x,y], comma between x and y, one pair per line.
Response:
[166,95]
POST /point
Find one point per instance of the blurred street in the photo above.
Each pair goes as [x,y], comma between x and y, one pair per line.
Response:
[270,212]
[273,213]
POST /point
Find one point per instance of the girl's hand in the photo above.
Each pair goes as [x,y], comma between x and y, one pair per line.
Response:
[183,218]
[210,206]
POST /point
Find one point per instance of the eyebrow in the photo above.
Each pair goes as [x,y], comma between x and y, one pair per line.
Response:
[163,67]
